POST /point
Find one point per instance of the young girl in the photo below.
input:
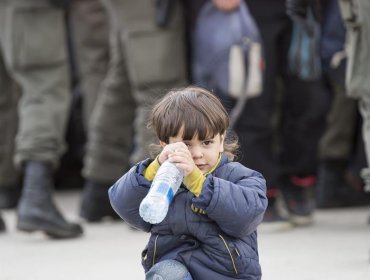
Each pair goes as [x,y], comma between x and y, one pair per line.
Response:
[210,228]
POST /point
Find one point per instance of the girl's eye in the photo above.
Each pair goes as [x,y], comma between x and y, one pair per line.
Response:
[207,142]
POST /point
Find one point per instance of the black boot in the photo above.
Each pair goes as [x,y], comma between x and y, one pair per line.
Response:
[36,209]
[2,224]
[95,203]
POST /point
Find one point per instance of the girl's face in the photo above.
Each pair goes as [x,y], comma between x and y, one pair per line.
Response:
[205,153]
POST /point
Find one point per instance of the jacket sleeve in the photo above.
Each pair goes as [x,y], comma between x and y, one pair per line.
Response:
[127,193]
[237,204]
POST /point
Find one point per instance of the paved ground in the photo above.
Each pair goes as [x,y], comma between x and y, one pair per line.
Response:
[337,247]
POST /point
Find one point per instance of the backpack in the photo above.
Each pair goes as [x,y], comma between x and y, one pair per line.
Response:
[304,60]
[227,53]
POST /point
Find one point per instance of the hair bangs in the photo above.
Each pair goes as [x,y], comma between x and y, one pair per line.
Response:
[192,112]
[196,125]
[201,118]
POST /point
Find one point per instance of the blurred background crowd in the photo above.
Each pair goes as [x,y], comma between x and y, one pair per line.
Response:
[78,77]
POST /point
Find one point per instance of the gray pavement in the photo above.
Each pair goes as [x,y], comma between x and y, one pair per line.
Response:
[336,247]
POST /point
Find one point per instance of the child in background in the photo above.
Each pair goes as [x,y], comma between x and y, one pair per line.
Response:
[210,228]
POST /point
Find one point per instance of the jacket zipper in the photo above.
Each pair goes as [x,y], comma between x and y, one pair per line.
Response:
[231,256]
[155,249]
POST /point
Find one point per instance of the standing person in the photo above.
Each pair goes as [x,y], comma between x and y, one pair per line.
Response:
[357,72]
[280,129]
[33,55]
[147,56]
[210,228]
[337,144]
[356,17]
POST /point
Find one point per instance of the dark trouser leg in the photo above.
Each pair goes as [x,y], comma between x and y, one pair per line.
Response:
[109,137]
[336,145]
[303,118]
[256,127]
[258,123]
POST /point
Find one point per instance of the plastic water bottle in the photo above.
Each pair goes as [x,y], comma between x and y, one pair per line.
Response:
[154,207]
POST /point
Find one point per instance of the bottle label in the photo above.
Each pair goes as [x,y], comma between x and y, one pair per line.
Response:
[164,188]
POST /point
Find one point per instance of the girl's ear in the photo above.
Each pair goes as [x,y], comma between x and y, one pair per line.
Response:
[222,141]
[162,143]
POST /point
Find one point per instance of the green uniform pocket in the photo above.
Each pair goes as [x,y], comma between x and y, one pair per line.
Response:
[36,37]
[155,56]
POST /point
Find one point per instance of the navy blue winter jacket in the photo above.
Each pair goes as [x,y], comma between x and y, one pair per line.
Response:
[218,245]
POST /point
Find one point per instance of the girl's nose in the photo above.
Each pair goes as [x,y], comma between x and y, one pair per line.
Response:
[196,152]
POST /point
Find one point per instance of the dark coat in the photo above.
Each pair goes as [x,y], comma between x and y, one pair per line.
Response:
[218,245]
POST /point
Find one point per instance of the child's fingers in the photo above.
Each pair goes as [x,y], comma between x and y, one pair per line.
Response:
[182,152]
[175,149]
[177,158]
[164,155]
[180,156]
[177,145]
[184,167]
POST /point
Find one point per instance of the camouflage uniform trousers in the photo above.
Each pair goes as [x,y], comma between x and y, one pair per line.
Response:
[34,85]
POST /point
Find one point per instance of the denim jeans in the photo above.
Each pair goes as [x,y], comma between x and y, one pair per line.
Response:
[168,270]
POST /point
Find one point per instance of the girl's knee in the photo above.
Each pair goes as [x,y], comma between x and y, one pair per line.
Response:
[168,270]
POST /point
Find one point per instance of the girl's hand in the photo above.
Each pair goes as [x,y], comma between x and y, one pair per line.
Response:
[167,149]
[226,5]
[178,153]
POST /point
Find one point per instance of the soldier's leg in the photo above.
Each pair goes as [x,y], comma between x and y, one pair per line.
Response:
[9,175]
[110,127]
[335,148]
[90,37]
[155,60]
[337,140]
[109,137]
[40,67]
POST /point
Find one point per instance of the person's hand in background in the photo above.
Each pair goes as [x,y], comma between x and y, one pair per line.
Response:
[226,5]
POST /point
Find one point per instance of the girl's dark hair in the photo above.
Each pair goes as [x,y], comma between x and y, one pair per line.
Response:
[194,109]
